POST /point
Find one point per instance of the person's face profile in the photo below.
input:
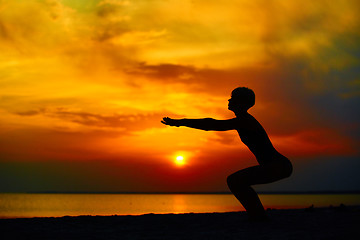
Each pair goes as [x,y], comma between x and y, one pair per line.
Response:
[232,103]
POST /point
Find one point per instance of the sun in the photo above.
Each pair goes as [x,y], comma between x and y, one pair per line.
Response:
[179,161]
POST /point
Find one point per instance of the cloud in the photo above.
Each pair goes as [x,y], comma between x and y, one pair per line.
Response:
[111,20]
[42,143]
[29,113]
[164,72]
[129,122]
[124,123]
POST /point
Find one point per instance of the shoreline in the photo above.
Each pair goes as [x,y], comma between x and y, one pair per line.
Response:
[339,222]
[268,210]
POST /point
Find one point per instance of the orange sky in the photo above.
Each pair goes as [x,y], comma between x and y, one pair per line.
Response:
[84,85]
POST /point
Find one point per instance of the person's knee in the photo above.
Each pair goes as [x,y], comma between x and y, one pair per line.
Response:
[288,171]
[229,181]
[281,172]
[234,180]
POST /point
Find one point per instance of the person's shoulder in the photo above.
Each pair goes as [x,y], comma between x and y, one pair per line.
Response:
[246,120]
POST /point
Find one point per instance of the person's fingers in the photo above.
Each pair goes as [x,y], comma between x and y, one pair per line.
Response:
[168,121]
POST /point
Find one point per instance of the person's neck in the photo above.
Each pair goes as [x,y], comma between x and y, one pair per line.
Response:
[240,112]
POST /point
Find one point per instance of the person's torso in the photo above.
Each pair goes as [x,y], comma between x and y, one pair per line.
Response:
[254,136]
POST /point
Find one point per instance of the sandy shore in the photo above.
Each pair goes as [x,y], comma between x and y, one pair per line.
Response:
[312,223]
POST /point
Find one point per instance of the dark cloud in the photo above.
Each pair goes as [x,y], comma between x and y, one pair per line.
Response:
[3,31]
[29,113]
[110,22]
[161,72]
[213,81]
[130,122]
[109,31]
[125,123]
[107,10]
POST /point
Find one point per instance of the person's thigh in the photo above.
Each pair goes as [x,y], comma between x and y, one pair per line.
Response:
[252,176]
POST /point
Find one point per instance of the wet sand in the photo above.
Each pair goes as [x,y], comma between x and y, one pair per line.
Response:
[340,222]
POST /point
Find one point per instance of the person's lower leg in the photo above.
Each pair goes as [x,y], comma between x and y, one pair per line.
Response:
[250,200]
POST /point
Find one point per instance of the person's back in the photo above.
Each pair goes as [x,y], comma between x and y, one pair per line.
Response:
[254,136]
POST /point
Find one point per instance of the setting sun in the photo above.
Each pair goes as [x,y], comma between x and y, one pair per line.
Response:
[179,161]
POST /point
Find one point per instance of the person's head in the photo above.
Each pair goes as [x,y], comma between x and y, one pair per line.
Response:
[242,98]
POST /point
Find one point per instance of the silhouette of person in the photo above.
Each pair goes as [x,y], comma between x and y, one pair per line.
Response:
[272,165]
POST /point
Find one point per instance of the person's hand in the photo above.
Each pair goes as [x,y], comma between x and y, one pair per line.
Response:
[170,121]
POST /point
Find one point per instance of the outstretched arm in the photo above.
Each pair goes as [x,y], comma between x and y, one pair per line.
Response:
[206,124]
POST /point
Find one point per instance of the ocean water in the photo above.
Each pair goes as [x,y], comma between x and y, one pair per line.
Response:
[14,205]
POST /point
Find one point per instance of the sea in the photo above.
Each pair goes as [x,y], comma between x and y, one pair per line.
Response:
[28,205]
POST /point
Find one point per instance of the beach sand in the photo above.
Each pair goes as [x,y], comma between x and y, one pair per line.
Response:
[340,222]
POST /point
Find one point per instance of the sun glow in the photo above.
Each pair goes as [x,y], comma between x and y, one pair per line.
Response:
[179,161]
